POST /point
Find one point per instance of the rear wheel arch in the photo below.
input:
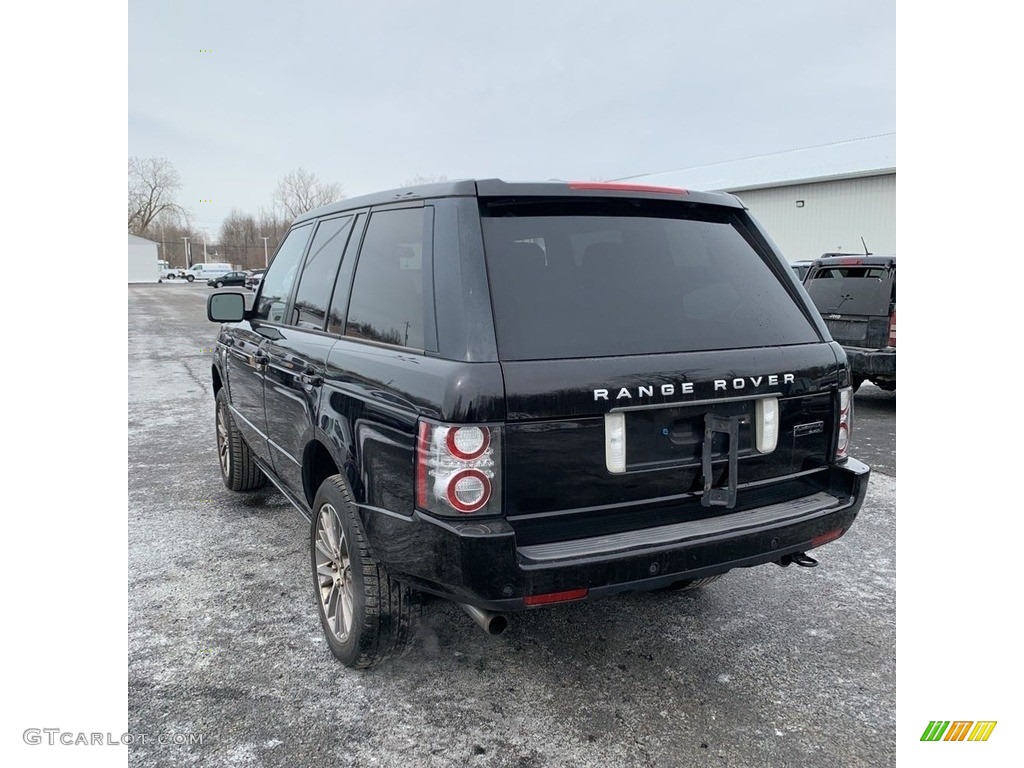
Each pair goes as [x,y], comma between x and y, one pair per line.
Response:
[318,463]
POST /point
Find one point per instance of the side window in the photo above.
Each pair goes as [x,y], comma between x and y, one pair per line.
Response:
[277,283]
[339,301]
[319,272]
[387,294]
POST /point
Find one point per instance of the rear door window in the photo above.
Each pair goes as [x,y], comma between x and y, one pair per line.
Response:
[319,272]
[606,278]
[386,304]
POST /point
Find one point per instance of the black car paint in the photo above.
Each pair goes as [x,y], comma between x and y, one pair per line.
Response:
[302,395]
[230,278]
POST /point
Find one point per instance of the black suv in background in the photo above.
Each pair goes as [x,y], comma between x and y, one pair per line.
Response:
[856,295]
[518,395]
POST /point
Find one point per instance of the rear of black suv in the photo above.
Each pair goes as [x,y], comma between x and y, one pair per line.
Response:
[856,296]
[516,395]
[673,407]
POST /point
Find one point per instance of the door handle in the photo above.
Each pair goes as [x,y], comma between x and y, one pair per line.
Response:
[310,378]
[259,360]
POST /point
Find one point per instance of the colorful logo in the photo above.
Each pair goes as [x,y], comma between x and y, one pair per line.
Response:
[958,730]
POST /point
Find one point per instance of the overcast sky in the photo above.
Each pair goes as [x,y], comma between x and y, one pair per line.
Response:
[372,94]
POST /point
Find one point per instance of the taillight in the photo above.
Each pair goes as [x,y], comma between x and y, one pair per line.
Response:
[457,469]
[892,328]
[845,422]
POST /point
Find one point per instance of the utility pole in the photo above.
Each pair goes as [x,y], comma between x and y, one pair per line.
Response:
[188,261]
[266,259]
[204,247]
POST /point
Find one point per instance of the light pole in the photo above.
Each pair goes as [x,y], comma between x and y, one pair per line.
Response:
[188,261]
[266,259]
[204,246]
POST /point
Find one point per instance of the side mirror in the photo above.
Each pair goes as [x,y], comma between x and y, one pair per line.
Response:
[225,308]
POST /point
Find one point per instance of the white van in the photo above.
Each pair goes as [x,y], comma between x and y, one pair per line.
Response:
[205,272]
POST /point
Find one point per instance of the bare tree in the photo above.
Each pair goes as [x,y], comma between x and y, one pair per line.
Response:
[302,191]
[415,181]
[152,183]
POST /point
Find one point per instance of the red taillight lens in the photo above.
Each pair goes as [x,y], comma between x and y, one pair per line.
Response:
[556,597]
[468,490]
[422,470]
[892,329]
[457,469]
[468,442]
[844,422]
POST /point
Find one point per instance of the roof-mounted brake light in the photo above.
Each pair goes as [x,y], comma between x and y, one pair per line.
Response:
[609,186]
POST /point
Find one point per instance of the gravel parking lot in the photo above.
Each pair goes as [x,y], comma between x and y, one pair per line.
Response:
[768,667]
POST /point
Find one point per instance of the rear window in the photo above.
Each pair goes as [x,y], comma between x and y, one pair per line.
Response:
[854,290]
[629,277]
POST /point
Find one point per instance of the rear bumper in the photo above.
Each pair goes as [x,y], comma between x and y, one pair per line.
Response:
[479,562]
[868,363]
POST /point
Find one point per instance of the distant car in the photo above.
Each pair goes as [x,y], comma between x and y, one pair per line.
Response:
[800,268]
[255,277]
[231,278]
[856,296]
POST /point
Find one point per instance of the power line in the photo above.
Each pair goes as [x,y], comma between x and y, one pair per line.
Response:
[754,157]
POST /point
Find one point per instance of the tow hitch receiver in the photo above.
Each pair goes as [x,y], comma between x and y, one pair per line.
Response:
[800,558]
[726,425]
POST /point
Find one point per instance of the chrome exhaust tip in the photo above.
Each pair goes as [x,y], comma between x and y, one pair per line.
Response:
[490,622]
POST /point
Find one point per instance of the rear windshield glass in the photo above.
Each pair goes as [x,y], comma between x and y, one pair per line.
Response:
[854,290]
[603,278]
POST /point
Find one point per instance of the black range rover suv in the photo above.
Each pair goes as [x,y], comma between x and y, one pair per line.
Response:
[516,395]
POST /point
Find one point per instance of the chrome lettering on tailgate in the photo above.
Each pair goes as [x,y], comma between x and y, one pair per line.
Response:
[686,388]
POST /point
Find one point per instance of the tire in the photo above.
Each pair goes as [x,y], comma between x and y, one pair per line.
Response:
[238,469]
[218,284]
[367,617]
[170,277]
[191,278]
[687,584]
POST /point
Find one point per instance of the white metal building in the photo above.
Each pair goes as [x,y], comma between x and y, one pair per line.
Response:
[143,264]
[812,201]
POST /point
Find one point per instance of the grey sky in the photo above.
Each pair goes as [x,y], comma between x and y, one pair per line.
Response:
[371,94]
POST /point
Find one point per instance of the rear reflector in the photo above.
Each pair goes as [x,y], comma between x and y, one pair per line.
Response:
[615,442]
[767,416]
[616,187]
[892,329]
[825,538]
[556,597]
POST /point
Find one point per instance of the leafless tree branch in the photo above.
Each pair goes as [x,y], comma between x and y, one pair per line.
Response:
[152,184]
[300,191]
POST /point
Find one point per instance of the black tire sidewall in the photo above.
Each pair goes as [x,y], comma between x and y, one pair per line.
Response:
[351,649]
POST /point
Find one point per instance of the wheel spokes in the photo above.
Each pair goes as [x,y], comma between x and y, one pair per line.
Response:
[333,572]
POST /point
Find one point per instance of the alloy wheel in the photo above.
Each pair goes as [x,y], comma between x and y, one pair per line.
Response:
[223,443]
[334,572]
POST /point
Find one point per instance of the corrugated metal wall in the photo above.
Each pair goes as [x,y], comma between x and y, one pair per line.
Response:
[834,216]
